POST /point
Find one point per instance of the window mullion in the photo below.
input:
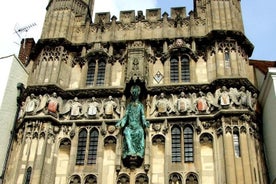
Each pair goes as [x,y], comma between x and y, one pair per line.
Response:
[179,69]
[96,72]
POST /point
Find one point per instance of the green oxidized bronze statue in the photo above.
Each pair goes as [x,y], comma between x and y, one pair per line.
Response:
[133,124]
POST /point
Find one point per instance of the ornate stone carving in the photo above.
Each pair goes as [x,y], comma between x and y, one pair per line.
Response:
[141,179]
[158,139]
[161,106]
[110,140]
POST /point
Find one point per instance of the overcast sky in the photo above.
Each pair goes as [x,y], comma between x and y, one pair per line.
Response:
[259,20]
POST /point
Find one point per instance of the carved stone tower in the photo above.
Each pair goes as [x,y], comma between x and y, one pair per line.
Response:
[62,16]
[197,93]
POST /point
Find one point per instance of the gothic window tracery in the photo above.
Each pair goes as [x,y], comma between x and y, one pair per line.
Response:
[179,69]
[81,147]
[236,142]
[96,72]
[176,144]
[93,144]
[188,144]
[182,144]
[89,156]
[227,59]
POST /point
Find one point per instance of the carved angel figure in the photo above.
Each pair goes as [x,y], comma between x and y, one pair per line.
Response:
[92,108]
[212,101]
[161,106]
[223,97]
[253,102]
[31,105]
[201,103]
[183,104]
[245,98]
[53,104]
[74,107]
[111,108]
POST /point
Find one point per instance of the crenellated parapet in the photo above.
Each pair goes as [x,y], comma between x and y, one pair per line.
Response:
[206,17]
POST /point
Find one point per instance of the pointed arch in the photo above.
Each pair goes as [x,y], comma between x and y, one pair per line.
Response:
[81,147]
[101,72]
[75,179]
[96,71]
[142,179]
[90,179]
[174,70]
[63,158]
[185,69]
[90,73]
[176,144]
[158,139]
[175,178]
[236,141]
[93,146]
[188,144]
[192,178]
[123,179]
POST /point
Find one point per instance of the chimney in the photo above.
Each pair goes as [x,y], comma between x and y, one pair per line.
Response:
[25,50]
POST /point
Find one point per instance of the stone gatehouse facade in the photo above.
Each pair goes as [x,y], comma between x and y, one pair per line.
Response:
[197,87]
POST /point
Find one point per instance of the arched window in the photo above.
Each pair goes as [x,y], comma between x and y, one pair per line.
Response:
[188,144]
[90,73]
[28,175]
[96,71]
[185,69]
[101,72]
[227,59]
[236,141]
[174,70]
[176,144]
[180,69]
[93,145]
[81,147]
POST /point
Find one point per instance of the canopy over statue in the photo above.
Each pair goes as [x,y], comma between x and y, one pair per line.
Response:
[133,124]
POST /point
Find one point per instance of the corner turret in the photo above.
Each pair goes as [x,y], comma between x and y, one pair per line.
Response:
[220,14]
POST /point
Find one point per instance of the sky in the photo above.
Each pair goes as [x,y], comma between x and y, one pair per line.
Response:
[259,21]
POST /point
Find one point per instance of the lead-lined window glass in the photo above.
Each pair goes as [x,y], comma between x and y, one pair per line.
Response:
[81,147]
[176,144]
[188,145]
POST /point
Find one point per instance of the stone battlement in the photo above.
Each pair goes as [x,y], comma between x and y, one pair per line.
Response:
[152,15]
